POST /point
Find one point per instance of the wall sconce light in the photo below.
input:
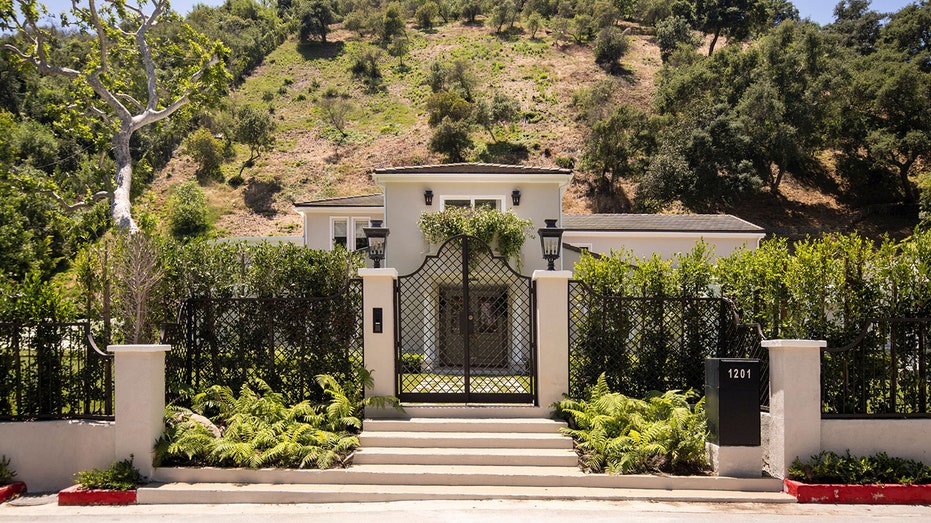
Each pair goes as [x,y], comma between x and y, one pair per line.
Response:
[428,197]
[551,241]
[515,197]
[377,237]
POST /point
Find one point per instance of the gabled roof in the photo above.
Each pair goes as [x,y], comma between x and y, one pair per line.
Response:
[368,200]
[471,168]
[659,223]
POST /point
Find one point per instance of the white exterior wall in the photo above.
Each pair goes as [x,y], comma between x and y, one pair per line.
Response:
[406,245]
[317,223]
[901,438]
[666,244]
[47,454]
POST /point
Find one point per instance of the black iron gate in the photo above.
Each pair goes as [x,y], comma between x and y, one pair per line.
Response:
[465,328]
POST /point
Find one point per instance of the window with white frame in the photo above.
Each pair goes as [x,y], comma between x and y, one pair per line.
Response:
[347,232]
[472,202]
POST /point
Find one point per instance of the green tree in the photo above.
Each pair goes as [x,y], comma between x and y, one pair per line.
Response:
[451,138]
[425,15]
[256,129]
[316,17]
[207,151]
[187,212]
[163,76]
[399,47]
[617,146]
[469,9]
[501,109]
[673,32]
[734,19]
[392,23]
[533,23]
[447,105]
[610,45]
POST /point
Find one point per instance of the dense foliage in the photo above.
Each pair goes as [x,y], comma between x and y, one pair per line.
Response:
[120,475]
[504,231]
[6,471]
[257,429]
[829,467]
[819,289]
[622,435]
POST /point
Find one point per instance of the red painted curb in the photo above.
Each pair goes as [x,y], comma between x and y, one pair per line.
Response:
[8,491]
[75,495]
[861,494]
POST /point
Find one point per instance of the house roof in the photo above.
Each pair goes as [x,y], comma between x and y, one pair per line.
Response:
[368,200]
[471,168]
[658,223]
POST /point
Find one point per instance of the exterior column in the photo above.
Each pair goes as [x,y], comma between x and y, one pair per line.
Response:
[378,355]
[139,407]
[794,402]
[552,335]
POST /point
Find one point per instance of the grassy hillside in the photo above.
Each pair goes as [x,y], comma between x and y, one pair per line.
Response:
[387,126]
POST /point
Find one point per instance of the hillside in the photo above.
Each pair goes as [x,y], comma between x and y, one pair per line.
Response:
[387,126]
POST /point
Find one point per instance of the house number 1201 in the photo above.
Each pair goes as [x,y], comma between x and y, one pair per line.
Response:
[739,374]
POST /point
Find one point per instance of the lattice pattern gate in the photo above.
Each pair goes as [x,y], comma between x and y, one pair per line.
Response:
[465,328]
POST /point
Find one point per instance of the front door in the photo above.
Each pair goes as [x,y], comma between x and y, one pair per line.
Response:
[465,332]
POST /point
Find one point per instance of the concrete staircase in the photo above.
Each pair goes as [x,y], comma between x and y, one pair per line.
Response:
[450,459]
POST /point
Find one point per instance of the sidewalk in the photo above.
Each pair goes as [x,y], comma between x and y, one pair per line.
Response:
[455,511]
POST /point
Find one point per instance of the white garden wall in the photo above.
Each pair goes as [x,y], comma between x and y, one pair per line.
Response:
[902,438]
[46,454]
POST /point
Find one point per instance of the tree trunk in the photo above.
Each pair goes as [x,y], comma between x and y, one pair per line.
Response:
[121,207]
[713,42]
[904,168]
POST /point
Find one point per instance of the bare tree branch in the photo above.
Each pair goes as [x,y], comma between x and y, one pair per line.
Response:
[69,208]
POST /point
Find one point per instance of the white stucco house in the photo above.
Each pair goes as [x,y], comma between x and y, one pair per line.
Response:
[533,193]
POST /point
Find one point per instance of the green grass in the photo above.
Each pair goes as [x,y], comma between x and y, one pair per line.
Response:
[432,382]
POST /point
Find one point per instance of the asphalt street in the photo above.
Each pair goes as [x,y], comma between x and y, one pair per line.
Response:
[45,509]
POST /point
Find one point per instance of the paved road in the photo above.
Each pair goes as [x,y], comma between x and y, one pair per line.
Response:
[467,511]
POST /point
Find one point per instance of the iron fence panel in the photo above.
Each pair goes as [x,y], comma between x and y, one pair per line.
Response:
[647,344]
[53,371]
[285,342]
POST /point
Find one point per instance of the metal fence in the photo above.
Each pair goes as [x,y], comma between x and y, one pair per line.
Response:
[645,344]
[284,341]
[882,373]
[53,371]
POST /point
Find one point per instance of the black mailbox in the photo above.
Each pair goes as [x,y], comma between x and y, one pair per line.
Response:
[732,401]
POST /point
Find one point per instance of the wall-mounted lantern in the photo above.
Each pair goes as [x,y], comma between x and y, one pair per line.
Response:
[428,197]
[515,197]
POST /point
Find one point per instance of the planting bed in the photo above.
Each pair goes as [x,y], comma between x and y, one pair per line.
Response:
[75,495]
[859,494]
[12,489]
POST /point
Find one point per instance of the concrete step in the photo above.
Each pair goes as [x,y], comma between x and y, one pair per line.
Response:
[544,457]
[489,440]
[215,493]
[517,425]
[378,475]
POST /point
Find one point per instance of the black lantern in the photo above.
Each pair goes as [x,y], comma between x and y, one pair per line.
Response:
[377,237]
[551,241]
[515,197]
[428,197]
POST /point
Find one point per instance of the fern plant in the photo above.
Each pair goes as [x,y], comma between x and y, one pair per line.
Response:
[6,471]
[256,429]
[622,435]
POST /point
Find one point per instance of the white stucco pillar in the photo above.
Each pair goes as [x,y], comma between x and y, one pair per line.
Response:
[378,293]
[794,402]
[552,335]
[139,406]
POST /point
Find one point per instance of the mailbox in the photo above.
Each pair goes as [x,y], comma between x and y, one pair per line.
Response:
[732,401]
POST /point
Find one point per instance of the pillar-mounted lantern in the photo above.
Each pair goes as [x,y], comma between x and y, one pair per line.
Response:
[428,197]
[515,197]
[551,241]
[377,237]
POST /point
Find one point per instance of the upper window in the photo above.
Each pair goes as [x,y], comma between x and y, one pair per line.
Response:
[473,202]
[348,233]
